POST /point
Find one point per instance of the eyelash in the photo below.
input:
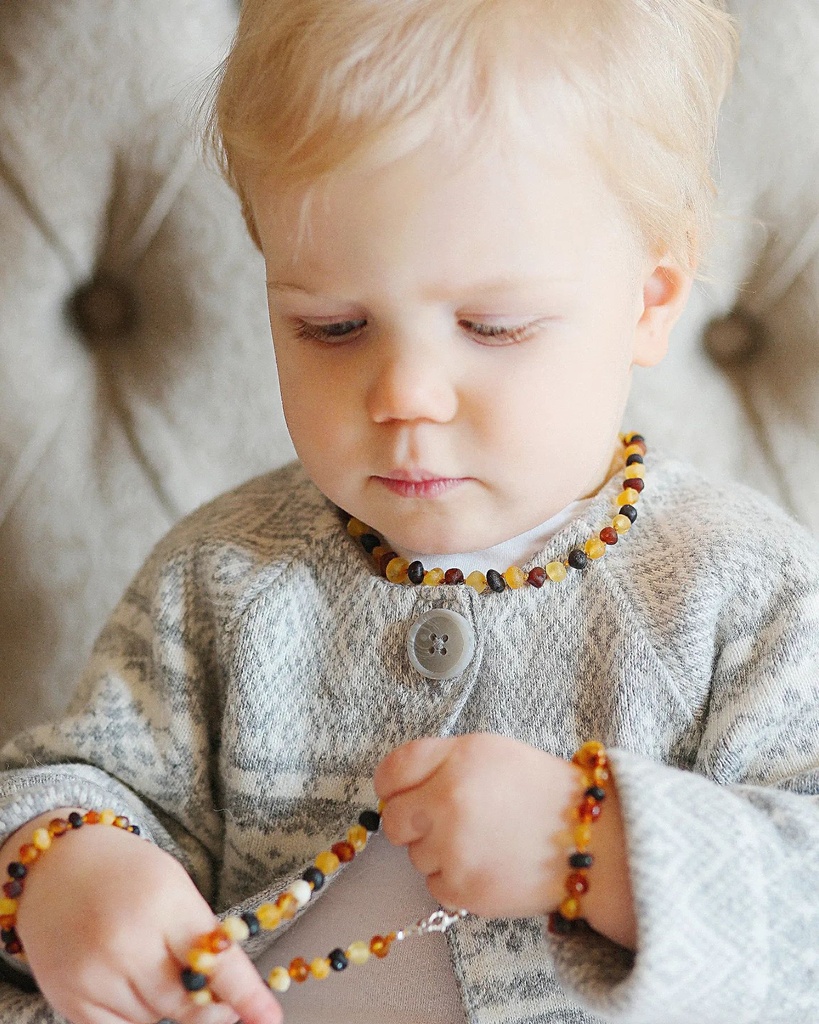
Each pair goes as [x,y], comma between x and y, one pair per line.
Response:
[324,332]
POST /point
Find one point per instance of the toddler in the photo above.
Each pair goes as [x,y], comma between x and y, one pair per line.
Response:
[477,217]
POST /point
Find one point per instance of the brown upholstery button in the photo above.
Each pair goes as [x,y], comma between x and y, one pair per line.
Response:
[735,338]
[104,308]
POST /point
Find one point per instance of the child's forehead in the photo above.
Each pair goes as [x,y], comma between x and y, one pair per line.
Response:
[489,224]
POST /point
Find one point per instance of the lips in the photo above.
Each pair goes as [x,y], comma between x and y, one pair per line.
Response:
[418,483]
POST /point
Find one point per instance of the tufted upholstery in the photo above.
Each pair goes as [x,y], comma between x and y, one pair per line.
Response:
[136,375]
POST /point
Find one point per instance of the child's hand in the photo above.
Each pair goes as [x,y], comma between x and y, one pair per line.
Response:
[484,818]
[107,919]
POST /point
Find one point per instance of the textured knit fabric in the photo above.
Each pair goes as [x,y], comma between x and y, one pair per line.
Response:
[255,673]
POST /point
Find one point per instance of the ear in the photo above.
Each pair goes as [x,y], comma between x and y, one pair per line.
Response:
[665,293]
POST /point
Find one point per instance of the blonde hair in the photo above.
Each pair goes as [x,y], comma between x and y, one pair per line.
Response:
[312,86]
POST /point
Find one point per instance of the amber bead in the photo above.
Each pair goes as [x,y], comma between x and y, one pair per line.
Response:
[578,559]
[622,524]
[91,817]
[590,755]
[634,460]
[344,851]
[384,561]
[13,889]
[214,942]
[41,839]
[28,853]
[453,577]
[415,572]
[570,908]
[204,997]
[371,820]
[279,979]
[556,571]
[7,921]
[609,535]
[637,471]
[338,959]
[58,827]
[536,577]
[434,577]
[628,497]
[8,907]
[236,928]
[477,581]
[600,775]
[634,484]
[202,961]
[581,860]
[380,945]
[397,570]
[356,528]
[370,541]
[577,884]
[16,870]
[636,448]
[515,577]
[582,835]
[495,581]
[629,511]
[595,548]
[589,810]
[269,915]
[320,967]
[107,817]
[287,904]
[327,862]
[299,969]
[358,953]
[357,837]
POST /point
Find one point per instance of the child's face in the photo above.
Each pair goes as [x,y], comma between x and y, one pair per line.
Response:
[455,346]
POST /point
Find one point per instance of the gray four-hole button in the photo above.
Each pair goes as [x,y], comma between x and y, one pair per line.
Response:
[440,644]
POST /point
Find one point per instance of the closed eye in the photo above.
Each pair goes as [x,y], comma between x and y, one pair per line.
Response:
[493,334]
[344,330]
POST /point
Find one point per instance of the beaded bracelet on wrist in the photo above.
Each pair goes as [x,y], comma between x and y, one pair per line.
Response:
[399,570]
[29,853]
[592,760]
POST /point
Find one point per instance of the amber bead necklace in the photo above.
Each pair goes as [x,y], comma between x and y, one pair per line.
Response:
[398,570]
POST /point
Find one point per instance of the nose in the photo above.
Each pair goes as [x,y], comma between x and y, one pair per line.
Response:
[412,382]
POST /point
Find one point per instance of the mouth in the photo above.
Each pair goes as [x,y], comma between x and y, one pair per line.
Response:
[418,483]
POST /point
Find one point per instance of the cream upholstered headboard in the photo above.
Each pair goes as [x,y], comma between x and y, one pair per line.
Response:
[136,373]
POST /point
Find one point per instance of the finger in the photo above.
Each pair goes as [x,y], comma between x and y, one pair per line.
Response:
[163,992]
[411,764]
[424,857]
[404,819]
[236,982]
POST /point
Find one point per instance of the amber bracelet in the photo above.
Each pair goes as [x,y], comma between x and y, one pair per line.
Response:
[30,852]
[592,760]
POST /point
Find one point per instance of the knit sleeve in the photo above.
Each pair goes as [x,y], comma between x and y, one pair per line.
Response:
[724,859]
[141,736]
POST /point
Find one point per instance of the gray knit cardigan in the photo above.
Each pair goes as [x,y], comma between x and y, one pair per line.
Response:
[255,672]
